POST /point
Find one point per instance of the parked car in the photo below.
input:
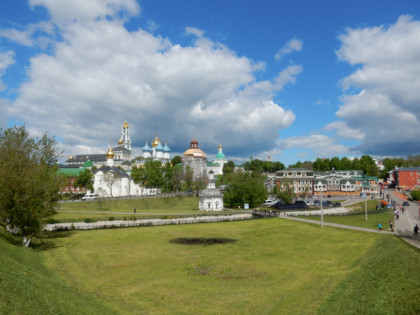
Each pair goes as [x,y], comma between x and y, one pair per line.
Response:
[309,196]
[329,196]
[337,204]
[269,202]
[309,202]
[406,204]
[317,203]
[90,196]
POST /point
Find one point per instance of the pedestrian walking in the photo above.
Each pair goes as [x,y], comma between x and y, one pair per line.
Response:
[416,230]
[135,211]
[391,226]
[380,226]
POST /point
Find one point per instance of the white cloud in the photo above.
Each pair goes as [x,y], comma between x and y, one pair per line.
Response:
[344,131]
[291,46]
[64,12]
[6,59]
[383,93]
[321,145]
[101,74]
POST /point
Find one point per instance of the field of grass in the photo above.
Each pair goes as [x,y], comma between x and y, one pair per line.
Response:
[124,208]
[274,266]
[27,286]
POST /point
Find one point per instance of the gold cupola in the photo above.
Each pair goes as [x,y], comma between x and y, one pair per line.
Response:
[125,124]
[110,154]
[155,142]
[120,142]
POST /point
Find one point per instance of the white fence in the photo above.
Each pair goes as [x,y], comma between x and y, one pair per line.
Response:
[146,222]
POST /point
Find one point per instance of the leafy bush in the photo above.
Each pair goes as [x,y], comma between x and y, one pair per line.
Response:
[415,194]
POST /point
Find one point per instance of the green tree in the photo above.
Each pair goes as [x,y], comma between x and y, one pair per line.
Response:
[415,194]
[188,177]
[176,160]
[228,167]
[198,185]
[245,187]
[176,179]
[151,174]
[85,179]
[29,181]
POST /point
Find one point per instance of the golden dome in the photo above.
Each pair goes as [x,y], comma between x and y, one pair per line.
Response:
[197,153]
[110,154]
[70,157]
[220,146]
[120,142]
[194,150]
[125,124]
[155,142]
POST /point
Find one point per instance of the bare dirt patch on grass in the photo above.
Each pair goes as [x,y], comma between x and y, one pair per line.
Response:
[202,240]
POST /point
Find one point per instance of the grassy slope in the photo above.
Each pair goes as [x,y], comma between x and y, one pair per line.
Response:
[275,266]
[387,282]
[28,287]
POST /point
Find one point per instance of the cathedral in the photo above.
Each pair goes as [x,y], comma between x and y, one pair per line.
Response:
[157,151]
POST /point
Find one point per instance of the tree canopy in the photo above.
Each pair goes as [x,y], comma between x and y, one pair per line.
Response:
[263,166]
[85,179]
[29,181]
[245,187]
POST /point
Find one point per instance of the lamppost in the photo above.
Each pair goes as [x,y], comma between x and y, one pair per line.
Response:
[322,212]
[366,209]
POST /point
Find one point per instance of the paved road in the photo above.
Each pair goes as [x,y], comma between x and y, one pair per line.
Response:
[405,224]
[349,227]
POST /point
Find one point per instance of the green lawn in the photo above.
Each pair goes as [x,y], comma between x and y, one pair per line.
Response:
[27,286]
[145,208]
[275,266]
[168,204]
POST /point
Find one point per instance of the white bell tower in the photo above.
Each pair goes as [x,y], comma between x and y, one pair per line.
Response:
[125,136]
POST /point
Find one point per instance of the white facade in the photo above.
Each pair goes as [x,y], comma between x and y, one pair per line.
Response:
[211,199]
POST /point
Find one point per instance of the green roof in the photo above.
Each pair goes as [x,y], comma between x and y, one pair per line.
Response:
[88,163]
[212,164]
[71,172]
[220,155]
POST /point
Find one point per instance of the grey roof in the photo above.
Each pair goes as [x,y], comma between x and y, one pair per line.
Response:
[210,192]
[120,148]
[113,169]
[82,158]
[409,169]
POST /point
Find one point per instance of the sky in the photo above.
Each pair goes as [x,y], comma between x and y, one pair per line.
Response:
[290,80]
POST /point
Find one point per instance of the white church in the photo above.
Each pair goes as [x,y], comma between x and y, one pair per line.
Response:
[112,181]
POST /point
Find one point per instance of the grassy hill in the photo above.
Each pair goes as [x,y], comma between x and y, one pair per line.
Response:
[274,266]
[28,287]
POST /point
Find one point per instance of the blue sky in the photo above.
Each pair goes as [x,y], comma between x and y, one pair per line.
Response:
[293,80]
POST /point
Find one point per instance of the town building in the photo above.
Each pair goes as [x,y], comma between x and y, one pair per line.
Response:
[211,198]
[299,179]
[407,178]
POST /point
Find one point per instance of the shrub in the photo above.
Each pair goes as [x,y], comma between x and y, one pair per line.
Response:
[111,219]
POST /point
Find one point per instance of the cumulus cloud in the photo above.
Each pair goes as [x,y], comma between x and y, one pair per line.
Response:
[321,145]
[100,74]
[6,59]
[64,12]
[344,131]
[291,46]
[383,94]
